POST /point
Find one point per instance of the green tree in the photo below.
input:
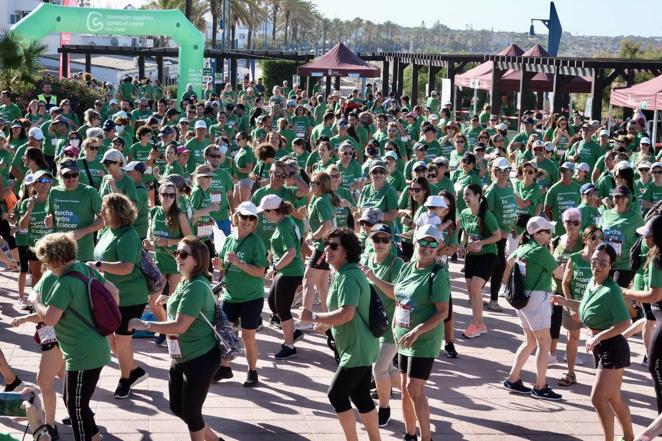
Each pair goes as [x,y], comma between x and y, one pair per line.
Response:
[19,60]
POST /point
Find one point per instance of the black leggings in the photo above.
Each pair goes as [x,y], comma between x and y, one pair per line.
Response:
[655,363]
[623,277]
[78,389]
[281,295]
[351,383]
[188,384]
[497,275]
[5,233]
[557,320]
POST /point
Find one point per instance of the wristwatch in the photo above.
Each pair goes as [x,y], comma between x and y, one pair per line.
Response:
[98,264]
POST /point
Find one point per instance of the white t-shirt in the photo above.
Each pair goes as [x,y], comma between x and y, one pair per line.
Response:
[428,218]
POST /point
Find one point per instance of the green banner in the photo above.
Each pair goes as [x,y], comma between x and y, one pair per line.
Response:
[48,18]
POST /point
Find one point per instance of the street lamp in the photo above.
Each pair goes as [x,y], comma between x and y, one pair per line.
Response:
[554,25]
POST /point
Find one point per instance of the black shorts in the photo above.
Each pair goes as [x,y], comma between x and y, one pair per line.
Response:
[479,265]
[415,367]
[318,261]
[5,233]
[25,255]
[613,353]
[648,312]
[128,313]
[249,314]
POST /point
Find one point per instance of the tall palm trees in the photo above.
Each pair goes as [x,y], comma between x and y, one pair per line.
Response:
[194,10]
[19,59]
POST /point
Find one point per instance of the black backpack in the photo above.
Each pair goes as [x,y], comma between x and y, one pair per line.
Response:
[377,317]
[515,287]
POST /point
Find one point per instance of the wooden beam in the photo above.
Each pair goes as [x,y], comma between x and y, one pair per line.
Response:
[523,93]
[385,77]
[415,69]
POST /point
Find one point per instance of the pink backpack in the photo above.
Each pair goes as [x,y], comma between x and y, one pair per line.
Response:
[105,312]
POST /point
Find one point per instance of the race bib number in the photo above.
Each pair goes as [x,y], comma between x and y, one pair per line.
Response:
[403,315]
[458,188]
[47,335]
[205,230]
[301,134]
[174,350]
[522,267]
[615,238]
[216,198]
[405,138]
[54,142]
[596,220]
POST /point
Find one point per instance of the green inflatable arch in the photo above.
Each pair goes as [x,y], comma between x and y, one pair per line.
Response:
[48,18]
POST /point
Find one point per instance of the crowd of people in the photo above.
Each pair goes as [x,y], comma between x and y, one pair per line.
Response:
[335,204]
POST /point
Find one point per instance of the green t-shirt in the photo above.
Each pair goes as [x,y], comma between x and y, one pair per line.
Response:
[415,296]
[192,298]
[265,228]
[73,210]
[10,112]
[142,205]
[220,190]
[469,222]
[589,152]
[197,156]
[386,198]
[321,210]
[36,228]
[83,348]
[461,180]
[285,237]
[581,275]
[537,265]
[530,193]
[165,260]
[559,198]
[241,286]
[550,172]
[139,152]
[355,343]
[501,202]
[244,157]
[97,172]
[350,173]
[201,199]
[590,216]
[124,184]
[602,305]
[620,232]
[562,253]
[123,245]
[387,271]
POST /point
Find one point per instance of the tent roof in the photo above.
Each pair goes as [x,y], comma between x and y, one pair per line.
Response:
[646,95]
[541,82]
[339,61]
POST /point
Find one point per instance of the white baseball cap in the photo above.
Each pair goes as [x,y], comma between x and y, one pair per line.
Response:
[502,126]
[269,202]
[428,231]
[436,202]
[36,133]
[247,208]
[200,124]
[645,141]
[113,155]
[501,163]
[391,154]
[646,229]
[584,167]
[537,223]
[604,133]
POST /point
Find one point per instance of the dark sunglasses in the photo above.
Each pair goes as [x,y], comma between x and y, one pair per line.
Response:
[597,237]
[109,162]
[378,171]
[530,172]
[415,189]
[347,153]
[168,195]
[420,170]
[383,240]
[247,217]
[70,175]
[432,176]
[44,180]
[433,244]
[333,245]
[214,156]
[182,254]
[93,147]
[569,222]
[657,172]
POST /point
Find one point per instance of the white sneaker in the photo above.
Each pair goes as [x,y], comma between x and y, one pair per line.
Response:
[551,359]
[22,304]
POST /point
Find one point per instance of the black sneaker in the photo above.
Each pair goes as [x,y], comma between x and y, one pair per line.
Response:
[223,373]
[137,376]
[274,321]
[123,389]
[286,352]
[408,437]
[13,385]
[251,379]
[546,393]
[384,414]
[160,339]
[517,386]
[644,362]
[297,335]
[449,350]
[52,431]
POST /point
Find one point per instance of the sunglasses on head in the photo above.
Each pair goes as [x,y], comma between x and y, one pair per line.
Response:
[383,240]
[333,245]
[168,195]
[70,175]
[182,254]
[433,244]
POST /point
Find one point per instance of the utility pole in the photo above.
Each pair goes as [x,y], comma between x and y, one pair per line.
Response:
[189,9]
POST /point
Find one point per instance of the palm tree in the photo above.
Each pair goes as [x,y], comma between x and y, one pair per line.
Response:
[197,13]
[274,18]
[19,59]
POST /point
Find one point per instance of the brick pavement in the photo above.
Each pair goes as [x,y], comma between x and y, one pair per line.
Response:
[466,400]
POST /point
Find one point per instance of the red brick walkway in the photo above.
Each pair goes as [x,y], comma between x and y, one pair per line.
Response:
[466,399]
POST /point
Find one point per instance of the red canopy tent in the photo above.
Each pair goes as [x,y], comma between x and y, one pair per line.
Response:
[481,76]
[646,95]
[339,62]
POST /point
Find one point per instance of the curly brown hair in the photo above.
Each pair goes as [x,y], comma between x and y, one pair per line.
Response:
[120,209]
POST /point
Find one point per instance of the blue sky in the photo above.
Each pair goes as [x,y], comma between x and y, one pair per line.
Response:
[579,17]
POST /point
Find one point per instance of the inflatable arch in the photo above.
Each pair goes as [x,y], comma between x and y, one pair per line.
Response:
[48,18]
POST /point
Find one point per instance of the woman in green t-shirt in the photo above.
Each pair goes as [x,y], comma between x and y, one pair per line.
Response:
[117,255]
[347,203]
[85,351]
[286,268]
[191,342]
[576,276]
[421,292]
[383,266]
[603,311]
[243,263]
[480,233]
[537,267]
[348,314]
